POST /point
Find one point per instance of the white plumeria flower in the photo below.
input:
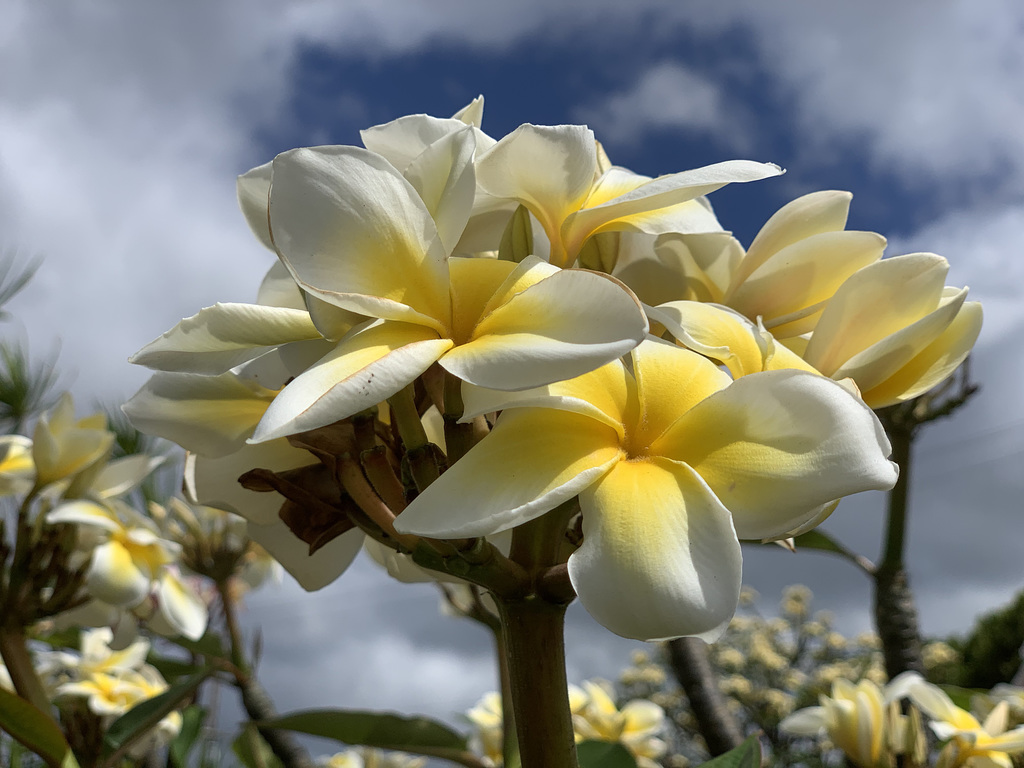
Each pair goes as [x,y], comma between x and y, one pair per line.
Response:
[357,234]
[63,447]
[131,564]
[488,719]
[555,171]
[673,463]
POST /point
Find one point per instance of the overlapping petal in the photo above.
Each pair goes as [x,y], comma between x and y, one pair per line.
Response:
[209,415]
[353,231]
[312,571]
[775,446]
[566,324]
[223,336]
[531,461]
[368,366]
[666,567]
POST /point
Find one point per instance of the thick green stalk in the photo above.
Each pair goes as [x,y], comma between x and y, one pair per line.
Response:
[895,613]
[18,661]
[533,632]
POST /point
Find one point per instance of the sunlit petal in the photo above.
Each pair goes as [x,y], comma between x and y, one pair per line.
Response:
[352,231]
[659,557]
[561,327]
[225,335]
[443,176]
[776,446]
[180,606]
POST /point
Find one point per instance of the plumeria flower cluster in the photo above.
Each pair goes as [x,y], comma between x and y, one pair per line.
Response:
[116,567]
[638,725]
[505,284]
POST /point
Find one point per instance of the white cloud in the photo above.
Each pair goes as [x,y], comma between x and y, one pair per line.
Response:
[668,96]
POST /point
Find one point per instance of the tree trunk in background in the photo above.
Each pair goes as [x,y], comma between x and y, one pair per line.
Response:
[692,667]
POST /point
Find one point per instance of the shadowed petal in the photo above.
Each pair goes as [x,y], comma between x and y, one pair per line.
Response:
[314,571]
[225,335]
[367,367]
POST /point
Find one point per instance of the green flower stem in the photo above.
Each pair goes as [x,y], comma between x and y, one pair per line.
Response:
[895,613]
[407,418]
[14,650]
[533,632]
[255,698]
[459,438]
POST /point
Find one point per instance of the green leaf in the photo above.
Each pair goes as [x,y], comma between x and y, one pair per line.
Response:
[192,719]
[818,539]
[385,730]
[134,723]
[37,731]
[209,645]
[746,755]
[603,754]
[517,239]
[252,751]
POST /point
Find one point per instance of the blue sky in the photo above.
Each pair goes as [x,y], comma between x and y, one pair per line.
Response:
[123,126]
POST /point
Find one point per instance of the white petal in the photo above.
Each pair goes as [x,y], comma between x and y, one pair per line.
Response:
[805,722]
[629,210]
[125,474]
[214,482]
[278,289]
[225,335]
[114,578]
[180,606]
[659,558]
[355,233]
[444,177]
[564,326]
[209,415]
[253,188]
[314,571]
[403,140]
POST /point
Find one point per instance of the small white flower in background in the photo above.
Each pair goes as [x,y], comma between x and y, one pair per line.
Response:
[63,447]
[489,722]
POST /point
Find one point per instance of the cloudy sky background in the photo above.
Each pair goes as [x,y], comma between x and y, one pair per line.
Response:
[123,126]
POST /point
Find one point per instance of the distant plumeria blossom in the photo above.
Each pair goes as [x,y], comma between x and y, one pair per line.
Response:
[987,744]
[638,725]
[864,721]
[673,463]
[131,566]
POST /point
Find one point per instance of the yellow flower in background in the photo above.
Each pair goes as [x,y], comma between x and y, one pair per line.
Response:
[862,720]
[673,463]
[638,726]
[63,447]
[969,742]
[17,470]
